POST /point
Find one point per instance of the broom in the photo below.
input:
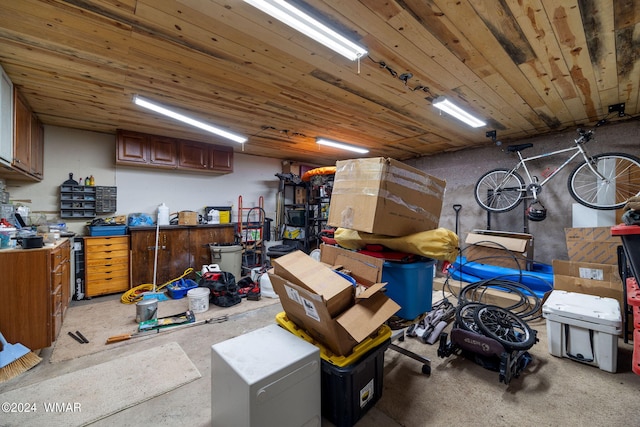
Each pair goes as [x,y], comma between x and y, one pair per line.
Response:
[15,359]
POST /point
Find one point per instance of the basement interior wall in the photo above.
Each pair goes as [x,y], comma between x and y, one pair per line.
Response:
[140,190]
[462,169]
[86,153]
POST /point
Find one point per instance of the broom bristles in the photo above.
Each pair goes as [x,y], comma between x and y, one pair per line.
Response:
[19,366]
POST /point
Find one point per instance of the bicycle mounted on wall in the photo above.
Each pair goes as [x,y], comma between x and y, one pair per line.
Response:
[602,181]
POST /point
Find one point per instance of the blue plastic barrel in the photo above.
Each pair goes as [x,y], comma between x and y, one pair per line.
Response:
[410,285]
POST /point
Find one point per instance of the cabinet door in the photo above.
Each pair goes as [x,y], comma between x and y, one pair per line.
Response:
[133,148]
[173,255]
[37,147]
[221,159]
[162,152]
[25,292]
[193,155]
[201,237]
[6,119]
[22,136]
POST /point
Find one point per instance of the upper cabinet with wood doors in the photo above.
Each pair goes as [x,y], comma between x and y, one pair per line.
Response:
[27,161]
[140,149]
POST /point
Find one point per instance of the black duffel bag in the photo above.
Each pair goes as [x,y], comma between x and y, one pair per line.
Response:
[223,288]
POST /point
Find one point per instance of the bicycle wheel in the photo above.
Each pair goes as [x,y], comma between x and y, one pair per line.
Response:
[621,181]
[464,316]
[499,190]
[505,327]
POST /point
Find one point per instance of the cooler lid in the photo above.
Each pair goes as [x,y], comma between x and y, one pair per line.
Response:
[589,308]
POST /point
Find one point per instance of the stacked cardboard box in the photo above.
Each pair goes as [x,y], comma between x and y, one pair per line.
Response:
[326,305]
[501,248]
[384,196]
[593,263]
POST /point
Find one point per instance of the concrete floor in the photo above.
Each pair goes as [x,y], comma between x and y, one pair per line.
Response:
[552,391]
[187,405]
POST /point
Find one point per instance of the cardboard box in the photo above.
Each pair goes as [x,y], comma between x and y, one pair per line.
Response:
[588,278]
[384,196]
[592,244]
[501,248]
[299,268]
[187,218]
[300,196]
[339,333]
[366,270]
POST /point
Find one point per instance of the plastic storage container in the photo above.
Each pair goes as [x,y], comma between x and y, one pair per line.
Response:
[348,392]
[179,289]
[584,328]
[7,237]
[410,285]
[107,230]
[382,334]
[296,217]
[267,377]
[351,384]
[228,257]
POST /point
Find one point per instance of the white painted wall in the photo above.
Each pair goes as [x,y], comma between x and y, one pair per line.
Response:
[140,189]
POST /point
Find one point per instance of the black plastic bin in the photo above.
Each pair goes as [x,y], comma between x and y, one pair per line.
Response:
[348,392]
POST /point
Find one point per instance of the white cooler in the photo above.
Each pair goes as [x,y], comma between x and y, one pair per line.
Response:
[267,377]
[584,328]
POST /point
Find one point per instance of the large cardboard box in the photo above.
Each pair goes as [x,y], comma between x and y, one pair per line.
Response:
[588,278]
[304,271]
[365,269]
[369,310]
[384,196]
[592,244]
[501,248]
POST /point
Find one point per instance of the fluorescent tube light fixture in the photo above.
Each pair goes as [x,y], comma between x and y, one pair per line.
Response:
[300,21]
[342,146]
[445,105]
[138,100]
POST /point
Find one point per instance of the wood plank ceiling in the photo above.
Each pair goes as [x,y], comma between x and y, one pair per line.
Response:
[526,66]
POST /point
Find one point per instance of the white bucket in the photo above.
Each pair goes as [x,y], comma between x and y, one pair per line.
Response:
[198,299]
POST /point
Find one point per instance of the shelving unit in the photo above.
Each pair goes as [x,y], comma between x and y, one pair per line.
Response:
[85,201]
[305,209]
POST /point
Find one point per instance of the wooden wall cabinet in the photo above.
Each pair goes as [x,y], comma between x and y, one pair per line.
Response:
[135,148]
[6,119]
[178,249]
[140,149]
[106,261]
[35,294]
[28,148]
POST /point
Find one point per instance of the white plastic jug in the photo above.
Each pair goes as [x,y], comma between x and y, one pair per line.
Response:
[163,214]
[213,217]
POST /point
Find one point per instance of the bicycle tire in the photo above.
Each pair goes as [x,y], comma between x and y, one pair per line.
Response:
[623,181]
[509,193]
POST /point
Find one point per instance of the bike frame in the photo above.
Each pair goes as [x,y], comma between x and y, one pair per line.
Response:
[534,180]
